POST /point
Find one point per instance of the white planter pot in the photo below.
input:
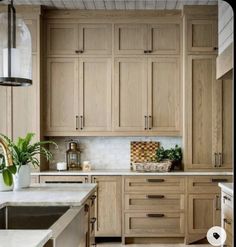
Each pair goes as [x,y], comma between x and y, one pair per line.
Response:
[22,177]
[3,186]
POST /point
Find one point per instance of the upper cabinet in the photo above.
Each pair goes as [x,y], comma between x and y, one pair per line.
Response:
[5,106]
[202,36]
[74,39]
[137,39]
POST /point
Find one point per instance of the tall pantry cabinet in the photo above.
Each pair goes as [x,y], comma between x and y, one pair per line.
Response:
[20,106]
[207,141]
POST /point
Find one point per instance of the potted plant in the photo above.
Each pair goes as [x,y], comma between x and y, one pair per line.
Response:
[6,175]
[172,154]
[24,154]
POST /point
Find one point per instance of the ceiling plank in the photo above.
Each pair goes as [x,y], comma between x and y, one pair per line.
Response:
[110,4]
[79,4]
[99,4]
[120,4]
[171,4]
[161,4]
[88,4]
[140,4]
[130,4]
[151,4]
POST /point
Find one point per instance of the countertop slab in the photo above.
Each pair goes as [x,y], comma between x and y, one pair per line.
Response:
[24,238]
[129,173]
[227,188]
[48,195]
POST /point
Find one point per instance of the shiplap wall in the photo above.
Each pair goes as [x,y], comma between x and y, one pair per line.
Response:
[225,27]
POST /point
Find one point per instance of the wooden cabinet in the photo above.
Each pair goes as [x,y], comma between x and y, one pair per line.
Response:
[204,205]
[63,179]
[203,118]
[108,206]
[5,106]
[62,94]
[130,94]
[62,38]
[78,39]
[164,38]
[202,35]
[95,94]
[158,38]
[164,95]
[95,39]
[147,96]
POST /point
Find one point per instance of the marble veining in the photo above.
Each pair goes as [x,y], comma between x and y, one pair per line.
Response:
[227,188]
[105,152]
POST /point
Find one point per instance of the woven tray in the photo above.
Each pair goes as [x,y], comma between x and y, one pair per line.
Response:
[152,167]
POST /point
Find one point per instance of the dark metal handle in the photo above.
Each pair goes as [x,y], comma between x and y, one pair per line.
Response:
[93,220]
[86,208]
[81,122]
[219,180]
[86,180]
[155,196]
[155,215]
[228,222]
[220,159]
[155,180]
[149,51]
[145,122]
[94,180]
[76,122]
[217,198]
[63,182]
[79,51]
[145,51]
[215,48]
[215,165]
[150,122]
[227,198]
[92,198]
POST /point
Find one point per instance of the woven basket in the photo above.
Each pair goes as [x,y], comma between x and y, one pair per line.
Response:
[164,166]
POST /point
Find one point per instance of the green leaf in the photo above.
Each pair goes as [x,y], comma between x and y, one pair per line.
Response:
[7,177]
[12,169]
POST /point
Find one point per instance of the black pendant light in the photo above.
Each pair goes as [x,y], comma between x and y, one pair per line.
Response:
[15,50]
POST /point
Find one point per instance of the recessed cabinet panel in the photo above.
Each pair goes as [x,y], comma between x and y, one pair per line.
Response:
[62,94]
[202,36]
[5,106]
[130,38]
[164,94]
[95,94]
[164,38]
[95,38]
[130,95]
[24,104]
[62,39]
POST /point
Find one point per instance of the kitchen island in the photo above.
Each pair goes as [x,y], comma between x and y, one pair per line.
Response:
[73,199]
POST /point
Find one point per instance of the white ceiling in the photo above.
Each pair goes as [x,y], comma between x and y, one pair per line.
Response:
[114,4]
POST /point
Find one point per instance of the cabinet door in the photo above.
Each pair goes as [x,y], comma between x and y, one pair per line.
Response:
[5,108]
[95,94]
[95,38]
[164,92]
[25,107]
[62,39]
[164,38]
[62,94]
[130,94]
[108,206]
[225,144]
[202,36]
[203,212]
[201,116]
[130,38]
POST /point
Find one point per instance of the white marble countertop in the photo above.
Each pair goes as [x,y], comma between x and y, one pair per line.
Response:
[48,195]
[227,188]
[24,238]
[130,173]
[41,195]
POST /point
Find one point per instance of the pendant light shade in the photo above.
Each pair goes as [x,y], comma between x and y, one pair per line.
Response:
[15,50]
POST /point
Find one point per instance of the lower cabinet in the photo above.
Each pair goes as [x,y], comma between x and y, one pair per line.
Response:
[108,206]
[203,205]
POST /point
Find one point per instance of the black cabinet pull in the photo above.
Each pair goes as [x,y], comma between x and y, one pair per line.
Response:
[228,222]
[155,196]
[76,122]
[81,122]
[63,182]
[155,215]
[219,180]
[227,198]
[145,51]
[215,48]
[145,122]
[79,51]
[155,180]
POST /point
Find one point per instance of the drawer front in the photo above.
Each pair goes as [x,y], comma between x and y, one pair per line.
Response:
[227,200]
[227,218]
[154,183]
[206,184]
[64,179]
[154,202]
[154,224]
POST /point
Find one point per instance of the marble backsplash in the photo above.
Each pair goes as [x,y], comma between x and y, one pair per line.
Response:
[105,152]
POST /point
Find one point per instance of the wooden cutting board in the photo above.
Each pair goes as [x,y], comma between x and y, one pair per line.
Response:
[142,152]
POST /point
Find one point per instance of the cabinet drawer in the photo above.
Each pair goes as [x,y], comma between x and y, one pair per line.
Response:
[227,219]
[154,184]
[227,200]
[63,179]
[206,184]
[154,224]
[154,202]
